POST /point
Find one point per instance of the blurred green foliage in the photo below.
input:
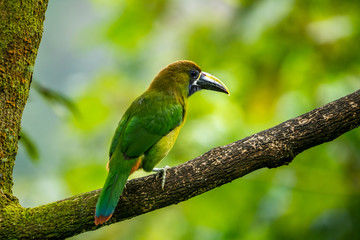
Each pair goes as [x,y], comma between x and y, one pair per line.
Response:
[279,59]
[29,146]
[58,101]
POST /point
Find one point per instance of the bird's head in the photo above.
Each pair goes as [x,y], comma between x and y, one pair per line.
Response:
[186,78]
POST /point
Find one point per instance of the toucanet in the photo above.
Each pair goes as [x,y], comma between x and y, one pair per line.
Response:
[148,129]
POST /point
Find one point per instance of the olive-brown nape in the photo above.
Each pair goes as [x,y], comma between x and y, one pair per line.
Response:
[182,65]
[174,76]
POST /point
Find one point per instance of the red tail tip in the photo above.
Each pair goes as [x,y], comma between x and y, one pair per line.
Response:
[101,219]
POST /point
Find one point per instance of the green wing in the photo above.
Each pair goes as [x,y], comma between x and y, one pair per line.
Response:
[117,133]
[147,120]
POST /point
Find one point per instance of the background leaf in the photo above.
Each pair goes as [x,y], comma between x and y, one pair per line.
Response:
[29,146]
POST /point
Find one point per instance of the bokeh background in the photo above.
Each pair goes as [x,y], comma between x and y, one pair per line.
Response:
[279,59]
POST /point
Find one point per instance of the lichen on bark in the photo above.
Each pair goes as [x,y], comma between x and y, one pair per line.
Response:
[20,35]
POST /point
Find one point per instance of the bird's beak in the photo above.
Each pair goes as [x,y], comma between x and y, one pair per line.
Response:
[209,82]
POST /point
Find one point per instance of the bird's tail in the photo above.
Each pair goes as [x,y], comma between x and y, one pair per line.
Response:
[110,193]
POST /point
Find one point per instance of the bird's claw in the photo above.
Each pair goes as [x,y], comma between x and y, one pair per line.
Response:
[163,172]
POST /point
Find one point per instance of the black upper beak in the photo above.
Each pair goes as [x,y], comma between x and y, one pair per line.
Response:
[209,82]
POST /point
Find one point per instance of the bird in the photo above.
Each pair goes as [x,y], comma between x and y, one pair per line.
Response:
[149,127]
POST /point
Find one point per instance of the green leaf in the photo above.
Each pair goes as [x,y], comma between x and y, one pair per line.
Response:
[29,145]
[56,99]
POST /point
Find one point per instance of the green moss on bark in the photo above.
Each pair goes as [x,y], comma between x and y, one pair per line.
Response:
[20,33]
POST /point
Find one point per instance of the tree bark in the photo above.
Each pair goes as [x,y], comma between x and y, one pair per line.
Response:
[21,27]
[271,148]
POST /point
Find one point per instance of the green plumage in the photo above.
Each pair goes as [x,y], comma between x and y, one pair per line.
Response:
[113,187]
[148,130]
[147,121]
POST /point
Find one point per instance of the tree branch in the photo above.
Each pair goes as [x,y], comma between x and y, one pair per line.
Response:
[21,29]
[271,148]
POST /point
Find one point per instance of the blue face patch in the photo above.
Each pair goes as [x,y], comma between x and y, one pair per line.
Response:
[193,89]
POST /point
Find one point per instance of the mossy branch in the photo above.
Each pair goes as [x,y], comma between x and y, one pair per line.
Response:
[271,148]
[21,28]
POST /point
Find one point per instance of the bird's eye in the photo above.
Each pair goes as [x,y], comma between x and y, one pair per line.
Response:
[194,74]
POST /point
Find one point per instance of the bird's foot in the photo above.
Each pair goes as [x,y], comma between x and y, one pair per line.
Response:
[163,172]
